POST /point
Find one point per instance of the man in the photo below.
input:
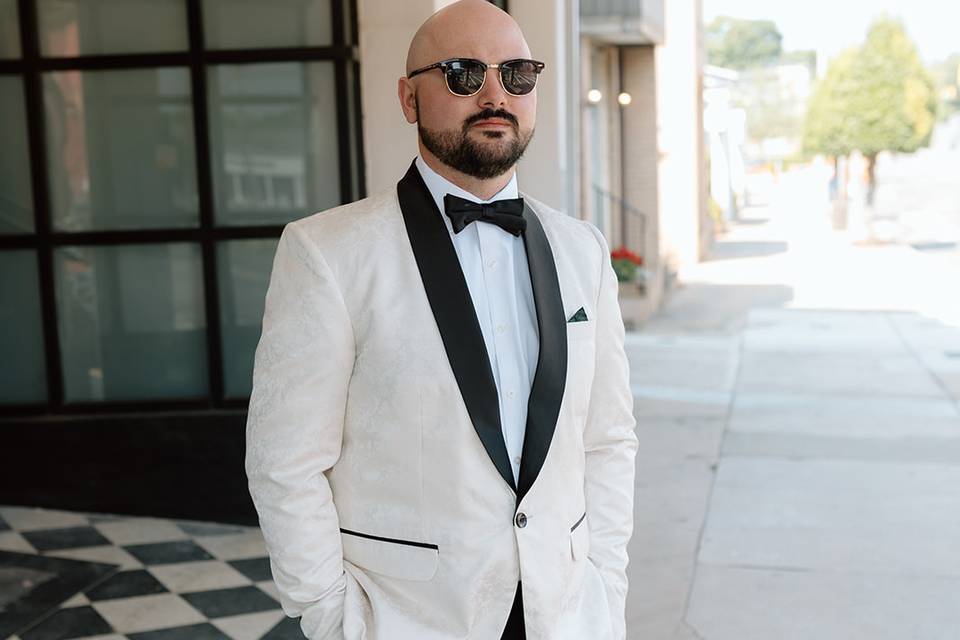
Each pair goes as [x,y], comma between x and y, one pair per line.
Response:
[440,441]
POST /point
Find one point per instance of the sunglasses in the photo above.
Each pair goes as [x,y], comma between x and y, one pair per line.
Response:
[465,76]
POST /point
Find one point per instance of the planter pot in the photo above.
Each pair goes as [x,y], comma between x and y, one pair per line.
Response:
[629,290]
[635,306]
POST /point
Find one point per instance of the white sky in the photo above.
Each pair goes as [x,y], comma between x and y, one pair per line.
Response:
[830,26]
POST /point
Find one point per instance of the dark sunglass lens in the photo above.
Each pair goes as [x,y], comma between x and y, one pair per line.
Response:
[520,77]
[464,77]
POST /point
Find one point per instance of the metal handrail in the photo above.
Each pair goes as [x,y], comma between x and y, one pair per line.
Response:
[623,204]
[627,208]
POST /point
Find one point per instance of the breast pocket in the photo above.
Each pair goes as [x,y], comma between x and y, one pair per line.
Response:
[394,557]
[580,365]
[582,330]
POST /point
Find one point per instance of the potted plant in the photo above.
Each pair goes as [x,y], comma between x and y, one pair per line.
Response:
[628,267]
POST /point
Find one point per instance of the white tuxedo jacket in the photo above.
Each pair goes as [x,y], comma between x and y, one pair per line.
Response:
[374,448]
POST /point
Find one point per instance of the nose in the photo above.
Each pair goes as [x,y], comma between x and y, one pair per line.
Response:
[492,94]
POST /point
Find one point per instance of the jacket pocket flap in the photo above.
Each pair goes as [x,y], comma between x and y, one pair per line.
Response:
[579,539]
[404,559]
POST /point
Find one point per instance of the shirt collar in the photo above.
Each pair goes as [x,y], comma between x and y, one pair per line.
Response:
[440,186]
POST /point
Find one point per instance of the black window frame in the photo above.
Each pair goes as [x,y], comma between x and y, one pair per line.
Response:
[31,66]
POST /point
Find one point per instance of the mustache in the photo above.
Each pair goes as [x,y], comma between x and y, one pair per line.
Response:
[491,113]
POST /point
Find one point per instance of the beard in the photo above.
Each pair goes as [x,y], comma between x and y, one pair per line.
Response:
[483,161]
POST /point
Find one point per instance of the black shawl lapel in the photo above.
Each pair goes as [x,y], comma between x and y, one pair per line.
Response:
[549,381]
[452,307]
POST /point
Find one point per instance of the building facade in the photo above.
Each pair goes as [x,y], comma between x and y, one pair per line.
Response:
[154,151]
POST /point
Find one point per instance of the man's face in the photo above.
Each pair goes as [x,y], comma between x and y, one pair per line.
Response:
[481,135]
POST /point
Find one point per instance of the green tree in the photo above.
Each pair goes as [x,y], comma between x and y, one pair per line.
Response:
[740,44]
[828,123]
[878,97]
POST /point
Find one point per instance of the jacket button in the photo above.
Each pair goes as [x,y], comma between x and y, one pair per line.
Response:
[521,520]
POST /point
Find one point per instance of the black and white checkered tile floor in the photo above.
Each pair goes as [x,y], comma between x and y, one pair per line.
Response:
[140,578]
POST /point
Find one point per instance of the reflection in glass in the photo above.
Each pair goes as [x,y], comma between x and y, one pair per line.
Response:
[9,29]
[120,149]
[248,24]
[131,321]
[16,201]
[88,27]
[23,377]
[244,270]
[274,141]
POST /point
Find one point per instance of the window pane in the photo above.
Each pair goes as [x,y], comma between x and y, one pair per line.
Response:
[120,148]
[16,201]
[87,27]
[131,321]
[274,141]
[9,29]
[248,24]
[244,273]
[23,374]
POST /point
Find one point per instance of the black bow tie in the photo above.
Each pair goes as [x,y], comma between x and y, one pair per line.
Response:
[506,214]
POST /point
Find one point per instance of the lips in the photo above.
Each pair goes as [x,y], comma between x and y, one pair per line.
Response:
[493,122]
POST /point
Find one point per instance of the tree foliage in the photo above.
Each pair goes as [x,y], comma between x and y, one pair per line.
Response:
[741,44]
[829,121]
[877,97]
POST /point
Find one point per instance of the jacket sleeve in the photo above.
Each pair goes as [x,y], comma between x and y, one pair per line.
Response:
[610,445]
[294,431]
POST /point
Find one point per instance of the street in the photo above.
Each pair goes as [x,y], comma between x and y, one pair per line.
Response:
[797,405]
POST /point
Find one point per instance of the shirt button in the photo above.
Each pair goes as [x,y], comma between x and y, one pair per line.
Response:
[491,263]
[509,394]
[516,461]
[501,328]
[521,520]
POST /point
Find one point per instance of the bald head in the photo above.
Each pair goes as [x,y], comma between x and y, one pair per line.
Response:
[473,140]
[465,29]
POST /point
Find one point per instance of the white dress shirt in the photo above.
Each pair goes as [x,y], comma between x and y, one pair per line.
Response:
[494,263]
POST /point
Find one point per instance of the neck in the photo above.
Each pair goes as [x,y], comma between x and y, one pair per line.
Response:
[483,189]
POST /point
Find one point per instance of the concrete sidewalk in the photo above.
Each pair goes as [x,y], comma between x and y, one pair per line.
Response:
[799,470]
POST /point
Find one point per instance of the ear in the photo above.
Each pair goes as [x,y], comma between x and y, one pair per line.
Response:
[408,99]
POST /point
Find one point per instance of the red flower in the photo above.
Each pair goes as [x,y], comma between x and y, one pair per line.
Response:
[622,253]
